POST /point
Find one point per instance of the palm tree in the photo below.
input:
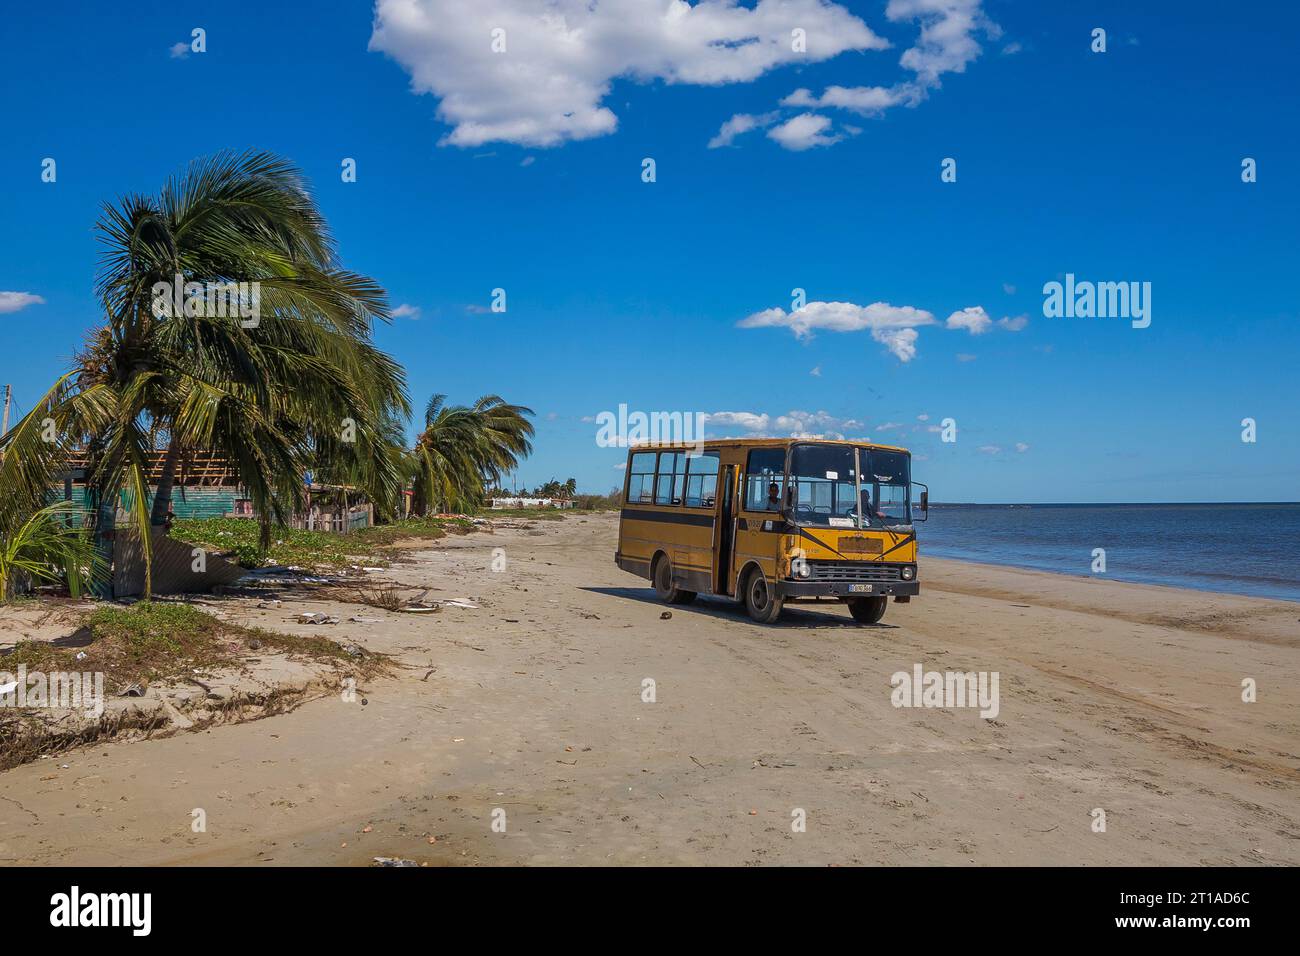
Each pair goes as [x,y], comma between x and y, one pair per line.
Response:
[48,546]
[301,386]
[464,449]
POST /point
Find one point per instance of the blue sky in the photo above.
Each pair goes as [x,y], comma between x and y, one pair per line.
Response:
[1115,166]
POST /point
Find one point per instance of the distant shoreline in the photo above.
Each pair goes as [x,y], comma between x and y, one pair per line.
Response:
[1127,578]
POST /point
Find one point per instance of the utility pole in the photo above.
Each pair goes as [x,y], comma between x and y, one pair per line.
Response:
[4,428]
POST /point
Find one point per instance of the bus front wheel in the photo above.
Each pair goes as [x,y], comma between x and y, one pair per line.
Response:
[763,605]
[868,610]
[665,589]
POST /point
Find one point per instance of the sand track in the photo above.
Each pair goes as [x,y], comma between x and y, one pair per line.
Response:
[1112,696]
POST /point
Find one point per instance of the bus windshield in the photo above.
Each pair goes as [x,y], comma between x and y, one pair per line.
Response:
[827,489]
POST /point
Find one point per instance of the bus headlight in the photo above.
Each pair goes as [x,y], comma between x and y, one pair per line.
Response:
[909,572]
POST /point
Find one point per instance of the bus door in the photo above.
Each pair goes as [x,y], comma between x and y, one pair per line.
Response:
[726,525]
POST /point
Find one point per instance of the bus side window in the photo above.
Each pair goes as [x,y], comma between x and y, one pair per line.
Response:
[766,466]
[702,480]
[640,483]
[672,477]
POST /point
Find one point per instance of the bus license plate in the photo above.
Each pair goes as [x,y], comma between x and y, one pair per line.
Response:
[860,588]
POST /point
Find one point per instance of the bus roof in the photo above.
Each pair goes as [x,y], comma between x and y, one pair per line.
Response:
[764,443]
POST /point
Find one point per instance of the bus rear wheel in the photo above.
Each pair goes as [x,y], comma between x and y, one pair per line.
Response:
[665,589]
[868,610]
[763,605]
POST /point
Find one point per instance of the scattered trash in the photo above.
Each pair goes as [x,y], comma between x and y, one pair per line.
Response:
[665,615]
[355,619]
[354,650]
[459,603]
[317,617]
[132,690]
[254,645]
[273,603]
[374,570]
[393,861]
[420,607]
[81,655]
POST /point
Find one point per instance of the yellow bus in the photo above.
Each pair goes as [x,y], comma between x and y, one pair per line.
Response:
[773,521]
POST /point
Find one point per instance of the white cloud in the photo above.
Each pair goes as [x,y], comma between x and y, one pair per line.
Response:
[923,417]
[821,422]
[947,43]
[17,301]
[965,357]
[972,318]
[838,317]
[405,311]
[902,342]
[750,421]
[894,326]
[816,372]
[1021,447]
[793,424]
[804,132]
[740,124]
[867,100]
[560,57]
[1014,325]
[990,450]
[179,51]
[1008,288]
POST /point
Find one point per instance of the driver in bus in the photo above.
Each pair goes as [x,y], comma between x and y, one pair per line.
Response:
[774,497]
[866,505]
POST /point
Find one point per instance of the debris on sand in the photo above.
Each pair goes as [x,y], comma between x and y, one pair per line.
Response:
[317,617]
[665,615]
[421,607]
[393,861]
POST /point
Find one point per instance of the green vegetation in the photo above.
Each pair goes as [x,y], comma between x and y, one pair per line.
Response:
[464,448]
[309,549]
[149,641]
[47,547]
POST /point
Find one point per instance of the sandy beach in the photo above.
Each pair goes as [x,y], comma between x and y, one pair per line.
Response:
[1120,697]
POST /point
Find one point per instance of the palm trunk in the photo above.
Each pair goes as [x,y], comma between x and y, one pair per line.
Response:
[162,499]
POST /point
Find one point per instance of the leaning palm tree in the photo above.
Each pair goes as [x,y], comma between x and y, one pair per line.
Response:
[299,384]
[464,449]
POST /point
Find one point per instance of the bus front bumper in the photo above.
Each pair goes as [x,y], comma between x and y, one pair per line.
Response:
[842,589]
